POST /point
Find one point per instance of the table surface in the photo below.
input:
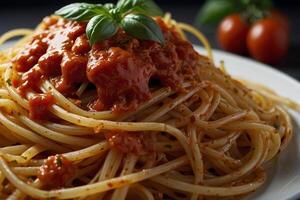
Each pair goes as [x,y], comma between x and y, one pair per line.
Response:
[30,16]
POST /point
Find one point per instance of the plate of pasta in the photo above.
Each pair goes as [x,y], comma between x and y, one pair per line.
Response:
[113,102]
[283,171]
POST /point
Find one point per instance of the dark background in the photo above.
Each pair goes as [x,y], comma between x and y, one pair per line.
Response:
[28,13]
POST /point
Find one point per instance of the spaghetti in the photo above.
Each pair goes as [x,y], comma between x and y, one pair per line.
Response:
[207,139]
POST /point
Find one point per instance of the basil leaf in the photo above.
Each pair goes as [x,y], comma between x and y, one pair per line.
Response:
[146,7]
[213,11]
[100,28]
[69,8]
[104,20]
[142,27]
[81,11]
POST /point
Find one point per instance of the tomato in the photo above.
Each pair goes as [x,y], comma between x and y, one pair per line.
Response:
[232,34]
[267,40]
[281,18]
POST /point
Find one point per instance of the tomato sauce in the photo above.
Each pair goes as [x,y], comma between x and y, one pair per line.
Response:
[121,78]
[30,80]
[39,106]
[130,142]
[121,68]
[56,171]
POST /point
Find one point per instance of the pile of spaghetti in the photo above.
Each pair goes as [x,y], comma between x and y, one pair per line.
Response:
[129,118]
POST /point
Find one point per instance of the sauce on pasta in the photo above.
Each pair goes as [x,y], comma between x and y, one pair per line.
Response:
[121,68]
[39,106]
[56,171]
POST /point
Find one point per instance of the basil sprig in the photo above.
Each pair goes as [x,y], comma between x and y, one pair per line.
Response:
[133,16]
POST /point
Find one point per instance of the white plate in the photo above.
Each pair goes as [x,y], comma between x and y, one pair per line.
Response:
[284,176]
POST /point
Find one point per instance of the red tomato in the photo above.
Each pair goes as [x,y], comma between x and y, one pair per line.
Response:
[232,34]
[281,18]
[267,41]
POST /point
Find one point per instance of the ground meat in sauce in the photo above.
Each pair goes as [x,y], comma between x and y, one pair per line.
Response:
[120,67]
[39,106]
[130,142]
[56,171]
[29,81]
[121,78]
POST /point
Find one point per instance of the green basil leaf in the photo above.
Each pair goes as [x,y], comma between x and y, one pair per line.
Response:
[69,8]
[213,11]
[100,28]
[115,14]
[142,27]
[146,7]
[81,11]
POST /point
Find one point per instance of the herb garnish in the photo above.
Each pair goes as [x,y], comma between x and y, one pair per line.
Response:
[58,160]
[8,81]
[105,20]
